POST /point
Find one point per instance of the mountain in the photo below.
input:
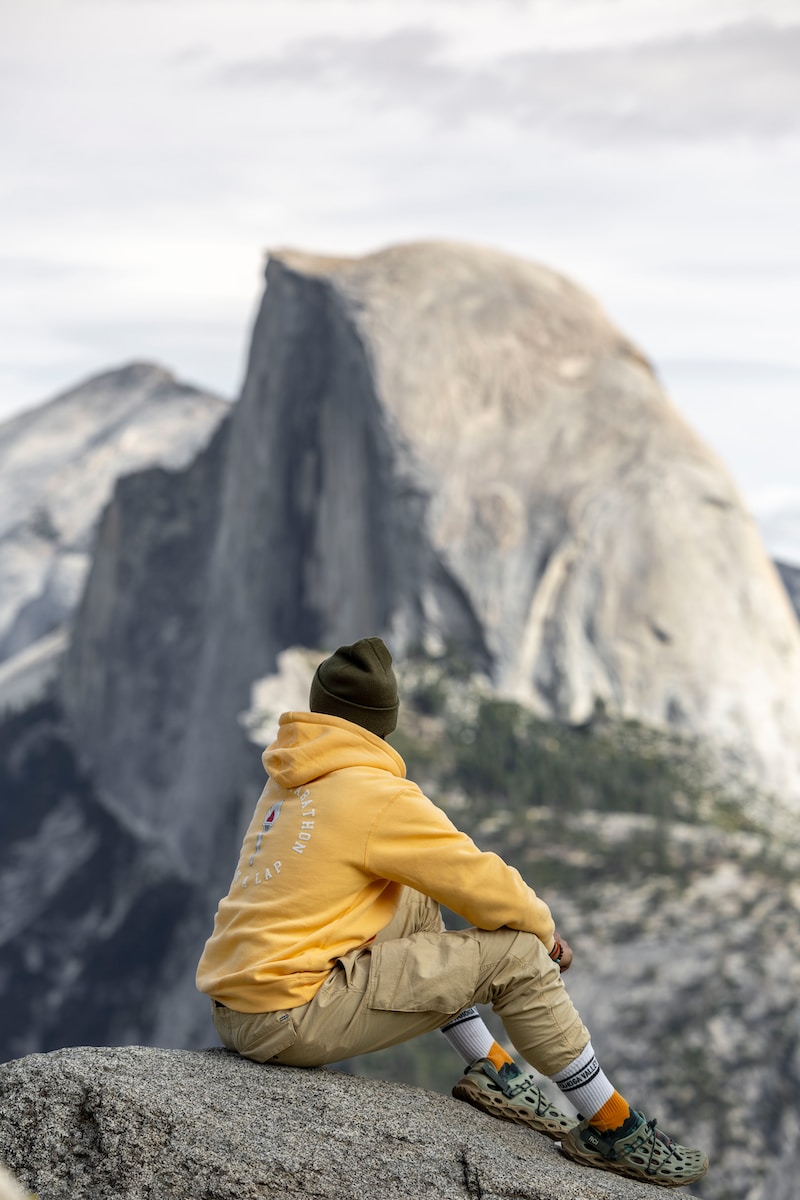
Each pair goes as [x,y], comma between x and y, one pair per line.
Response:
[92,909]
[58,466]
[455,448]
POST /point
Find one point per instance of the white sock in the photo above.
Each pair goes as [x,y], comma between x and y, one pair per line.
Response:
[584,1083]
[468,1035]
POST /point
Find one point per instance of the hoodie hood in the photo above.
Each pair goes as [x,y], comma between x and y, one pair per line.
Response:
[309,745]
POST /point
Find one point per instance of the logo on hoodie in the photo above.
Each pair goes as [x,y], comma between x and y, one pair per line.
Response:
[271,817]
[269,820]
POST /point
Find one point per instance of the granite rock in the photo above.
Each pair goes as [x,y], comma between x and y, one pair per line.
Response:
[450,447]
[135,1123]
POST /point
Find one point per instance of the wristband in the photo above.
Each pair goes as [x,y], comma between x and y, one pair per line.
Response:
[557,953]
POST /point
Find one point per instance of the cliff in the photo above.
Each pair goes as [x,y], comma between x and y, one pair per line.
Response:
[451,447]
[133,1124]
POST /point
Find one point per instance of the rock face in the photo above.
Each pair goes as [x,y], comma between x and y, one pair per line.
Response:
[58,466]
[92,910]
[135,1123]
[451,447]
[84,940]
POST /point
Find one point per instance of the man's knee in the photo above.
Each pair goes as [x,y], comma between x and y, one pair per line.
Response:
[512,957]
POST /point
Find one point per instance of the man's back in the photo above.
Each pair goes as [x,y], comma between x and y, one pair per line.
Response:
[302,895]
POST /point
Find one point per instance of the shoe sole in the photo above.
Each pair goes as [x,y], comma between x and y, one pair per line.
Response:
[503,1110]
[603,1164]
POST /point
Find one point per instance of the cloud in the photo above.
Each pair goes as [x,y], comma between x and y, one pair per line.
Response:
[737,81]
[737,269]
[406,66]
[29,271]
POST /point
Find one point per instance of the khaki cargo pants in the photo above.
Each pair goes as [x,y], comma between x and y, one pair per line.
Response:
[413,978]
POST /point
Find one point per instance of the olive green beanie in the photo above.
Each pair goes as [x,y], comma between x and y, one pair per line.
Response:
[358,683]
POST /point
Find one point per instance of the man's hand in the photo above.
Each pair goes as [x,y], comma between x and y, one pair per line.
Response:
[566,955]
[562,953]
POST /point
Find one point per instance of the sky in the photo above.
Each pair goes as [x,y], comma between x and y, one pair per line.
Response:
[153,151]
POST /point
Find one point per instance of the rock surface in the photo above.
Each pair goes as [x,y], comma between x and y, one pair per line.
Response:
[449,446]
[58,466]
[98,930]
[133,1124]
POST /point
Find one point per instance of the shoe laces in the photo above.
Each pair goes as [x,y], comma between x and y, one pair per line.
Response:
[523,1086]
[656,1135]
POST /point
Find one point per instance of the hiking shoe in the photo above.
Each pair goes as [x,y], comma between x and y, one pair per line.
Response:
[637,1149]
[511,1095]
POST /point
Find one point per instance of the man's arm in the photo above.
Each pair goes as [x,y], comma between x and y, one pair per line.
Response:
[413,842]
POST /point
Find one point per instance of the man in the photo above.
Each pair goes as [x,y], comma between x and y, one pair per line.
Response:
[330,942]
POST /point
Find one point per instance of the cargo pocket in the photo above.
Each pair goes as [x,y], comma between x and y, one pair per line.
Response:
[428,972]
[259,1036]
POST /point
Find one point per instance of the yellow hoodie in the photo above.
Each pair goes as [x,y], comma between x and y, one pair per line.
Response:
[336,832]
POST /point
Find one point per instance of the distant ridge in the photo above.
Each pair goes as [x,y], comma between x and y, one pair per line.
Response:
[58,466]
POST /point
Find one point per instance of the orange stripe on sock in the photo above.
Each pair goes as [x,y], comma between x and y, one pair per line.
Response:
[498,1056]
[612,1114]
